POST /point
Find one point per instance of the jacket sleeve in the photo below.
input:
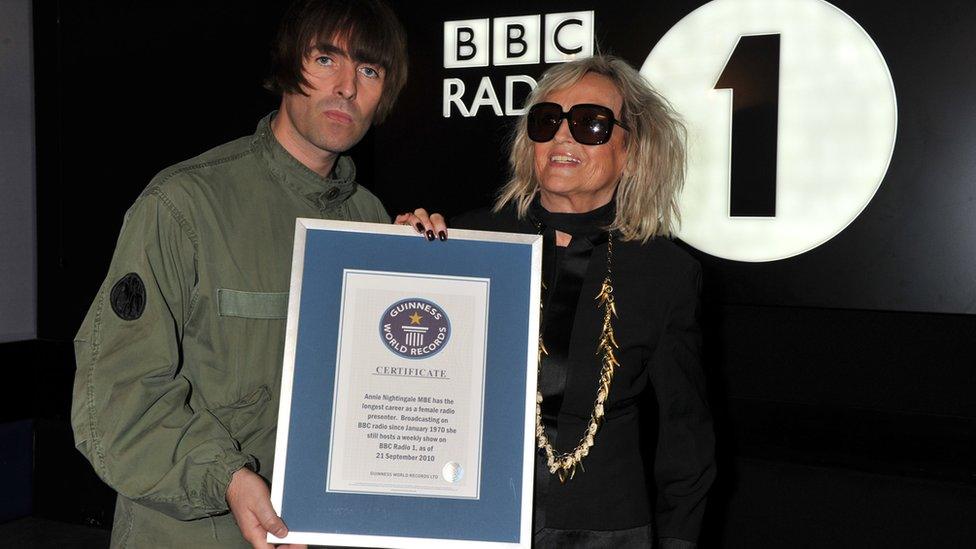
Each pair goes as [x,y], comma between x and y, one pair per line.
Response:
[130,411]
[684,465]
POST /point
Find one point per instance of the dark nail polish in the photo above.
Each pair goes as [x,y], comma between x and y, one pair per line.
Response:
[442,235]
[420,228]
[430,235]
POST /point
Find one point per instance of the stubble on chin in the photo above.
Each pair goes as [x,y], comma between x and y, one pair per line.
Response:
[335,136]
[336,140]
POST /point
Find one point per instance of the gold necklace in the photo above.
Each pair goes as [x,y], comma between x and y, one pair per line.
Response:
[564,464]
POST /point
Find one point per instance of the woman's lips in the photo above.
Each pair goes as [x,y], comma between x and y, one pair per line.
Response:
[338,116]
[563,160]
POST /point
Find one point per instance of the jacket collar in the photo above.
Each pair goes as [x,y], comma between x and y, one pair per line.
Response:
[322,193]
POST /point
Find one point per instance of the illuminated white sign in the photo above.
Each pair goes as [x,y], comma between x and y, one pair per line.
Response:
[569,36]
[516,40]
[792,119]
[466,43]
[519,40]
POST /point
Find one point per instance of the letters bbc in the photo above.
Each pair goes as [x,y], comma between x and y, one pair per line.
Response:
[518,40]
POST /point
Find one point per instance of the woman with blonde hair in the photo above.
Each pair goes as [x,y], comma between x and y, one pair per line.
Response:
[597,164]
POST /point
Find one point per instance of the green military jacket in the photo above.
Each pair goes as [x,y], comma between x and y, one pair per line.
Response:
[179,357]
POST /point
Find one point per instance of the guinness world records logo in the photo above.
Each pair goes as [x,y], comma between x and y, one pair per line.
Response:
[415,328]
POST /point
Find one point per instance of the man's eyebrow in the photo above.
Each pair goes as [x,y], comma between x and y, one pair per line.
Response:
[358,56]
[326,47]
[362,56]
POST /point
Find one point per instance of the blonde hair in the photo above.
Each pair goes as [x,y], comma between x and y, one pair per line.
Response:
[654,171]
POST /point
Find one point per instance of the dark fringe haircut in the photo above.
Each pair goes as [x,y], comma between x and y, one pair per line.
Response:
[371,32]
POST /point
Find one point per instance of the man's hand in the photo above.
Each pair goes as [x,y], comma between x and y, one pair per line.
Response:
[250,502]
[432,226]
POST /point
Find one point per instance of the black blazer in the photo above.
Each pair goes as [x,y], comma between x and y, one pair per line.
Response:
[656,285]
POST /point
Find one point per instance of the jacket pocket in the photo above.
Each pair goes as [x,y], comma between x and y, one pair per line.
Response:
[239,416]
[241,304]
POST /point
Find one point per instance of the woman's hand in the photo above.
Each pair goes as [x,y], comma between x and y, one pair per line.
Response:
[426,224]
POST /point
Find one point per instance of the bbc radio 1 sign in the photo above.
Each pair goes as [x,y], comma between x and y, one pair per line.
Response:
[504,41]
[792,119]
[789,105]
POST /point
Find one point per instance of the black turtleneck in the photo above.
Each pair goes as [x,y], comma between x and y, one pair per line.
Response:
[563,272]
[657,399]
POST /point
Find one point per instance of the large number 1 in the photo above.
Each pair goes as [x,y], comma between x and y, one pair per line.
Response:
[752,73]
[791,118]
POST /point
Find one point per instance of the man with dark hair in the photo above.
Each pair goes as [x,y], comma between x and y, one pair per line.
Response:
[179,358]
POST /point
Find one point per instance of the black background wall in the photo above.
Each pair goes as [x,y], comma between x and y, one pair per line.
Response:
[850,423]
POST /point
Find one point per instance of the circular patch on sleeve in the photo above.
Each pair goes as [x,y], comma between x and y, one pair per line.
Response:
[129,297]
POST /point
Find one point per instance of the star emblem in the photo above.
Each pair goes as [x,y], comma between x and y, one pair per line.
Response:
[415,318]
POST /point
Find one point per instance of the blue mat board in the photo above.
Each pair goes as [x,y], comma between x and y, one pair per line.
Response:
[495,516]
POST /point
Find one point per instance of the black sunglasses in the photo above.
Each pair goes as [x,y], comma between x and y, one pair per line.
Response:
[588,124]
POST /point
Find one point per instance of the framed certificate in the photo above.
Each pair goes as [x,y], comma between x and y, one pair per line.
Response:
[407,410]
